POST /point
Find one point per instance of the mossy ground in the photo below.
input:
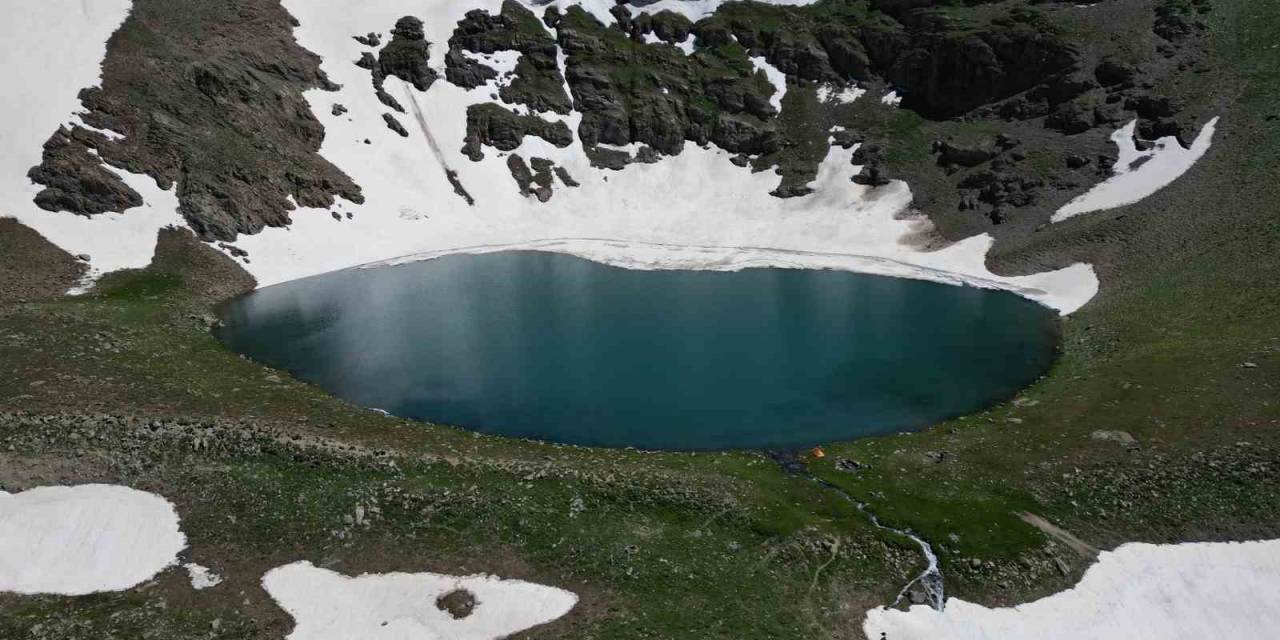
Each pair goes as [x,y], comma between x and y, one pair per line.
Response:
[694,545]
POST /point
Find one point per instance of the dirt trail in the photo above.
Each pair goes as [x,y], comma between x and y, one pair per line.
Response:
[1082,548]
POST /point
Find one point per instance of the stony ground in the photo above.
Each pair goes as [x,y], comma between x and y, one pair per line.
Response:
[1158,423]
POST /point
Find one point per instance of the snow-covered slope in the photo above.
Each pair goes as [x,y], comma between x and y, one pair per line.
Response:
[327,605]
[700,209]
[84,539]
[1194,591]
[695,210]
[52,49]
[1138,174]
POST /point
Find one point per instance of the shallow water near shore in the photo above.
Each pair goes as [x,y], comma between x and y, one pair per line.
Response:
[558,348]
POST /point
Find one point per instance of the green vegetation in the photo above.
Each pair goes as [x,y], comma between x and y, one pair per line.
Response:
[1180,351]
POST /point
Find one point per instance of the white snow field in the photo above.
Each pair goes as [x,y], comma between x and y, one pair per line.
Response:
[84,539]
[327,605]
[1163,163]
[1193,591]
[694,211]
[51,50]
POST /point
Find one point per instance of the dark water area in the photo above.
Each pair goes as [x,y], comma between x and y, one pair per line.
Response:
[558,348]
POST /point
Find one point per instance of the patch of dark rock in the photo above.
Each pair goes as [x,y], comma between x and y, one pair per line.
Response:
[458,189]
[602,158]
[1160,128]
[542,171]
[236,252]
[531,183]
[1177,19]
[31,267]
[407,54]
[871,175]
[565,178]
[1111,72]
[75,180]
[496,126]
[388,100]
[537,81]
[630,91]
[212,100]
[465,72]
[458,603]
[668,26]
[944,69]
[791,191]
[367,61]
[740,160]
[844,138]
[520,172]
[647,155]
[1139,161]
[395,125]
[1071,118]
[338,109]
[1151,106]
[848,465]
[950,154]
[206,272]
[1077,161]
[370,39]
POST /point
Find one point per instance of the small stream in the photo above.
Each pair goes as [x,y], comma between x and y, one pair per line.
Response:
[929,581]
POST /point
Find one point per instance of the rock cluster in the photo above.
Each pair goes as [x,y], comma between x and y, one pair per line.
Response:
[536,82]
[75,180]
[496,126]
[214,106]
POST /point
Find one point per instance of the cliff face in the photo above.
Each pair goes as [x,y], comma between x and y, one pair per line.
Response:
[1016,103]
[207,98]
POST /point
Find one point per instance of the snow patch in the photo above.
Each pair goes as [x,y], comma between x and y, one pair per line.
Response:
[1138,174]
[327,605]
[841,95]
[201,577]
[777,78]
[85,539]
[892,99]
[1137,592]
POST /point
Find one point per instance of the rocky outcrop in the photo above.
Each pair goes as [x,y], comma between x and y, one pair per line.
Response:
[629,91]
[1177,19]
[407,55]
[31,267]
[492,125]
[535,178]
[395,125]
[465,72]
[536,82]
[214,106]
[75,179]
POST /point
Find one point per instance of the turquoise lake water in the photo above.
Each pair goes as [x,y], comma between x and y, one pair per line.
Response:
[558,348]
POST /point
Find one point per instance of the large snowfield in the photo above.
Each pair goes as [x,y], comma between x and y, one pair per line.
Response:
[1193,591]
[327,605]
[84,539]
[703,211]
